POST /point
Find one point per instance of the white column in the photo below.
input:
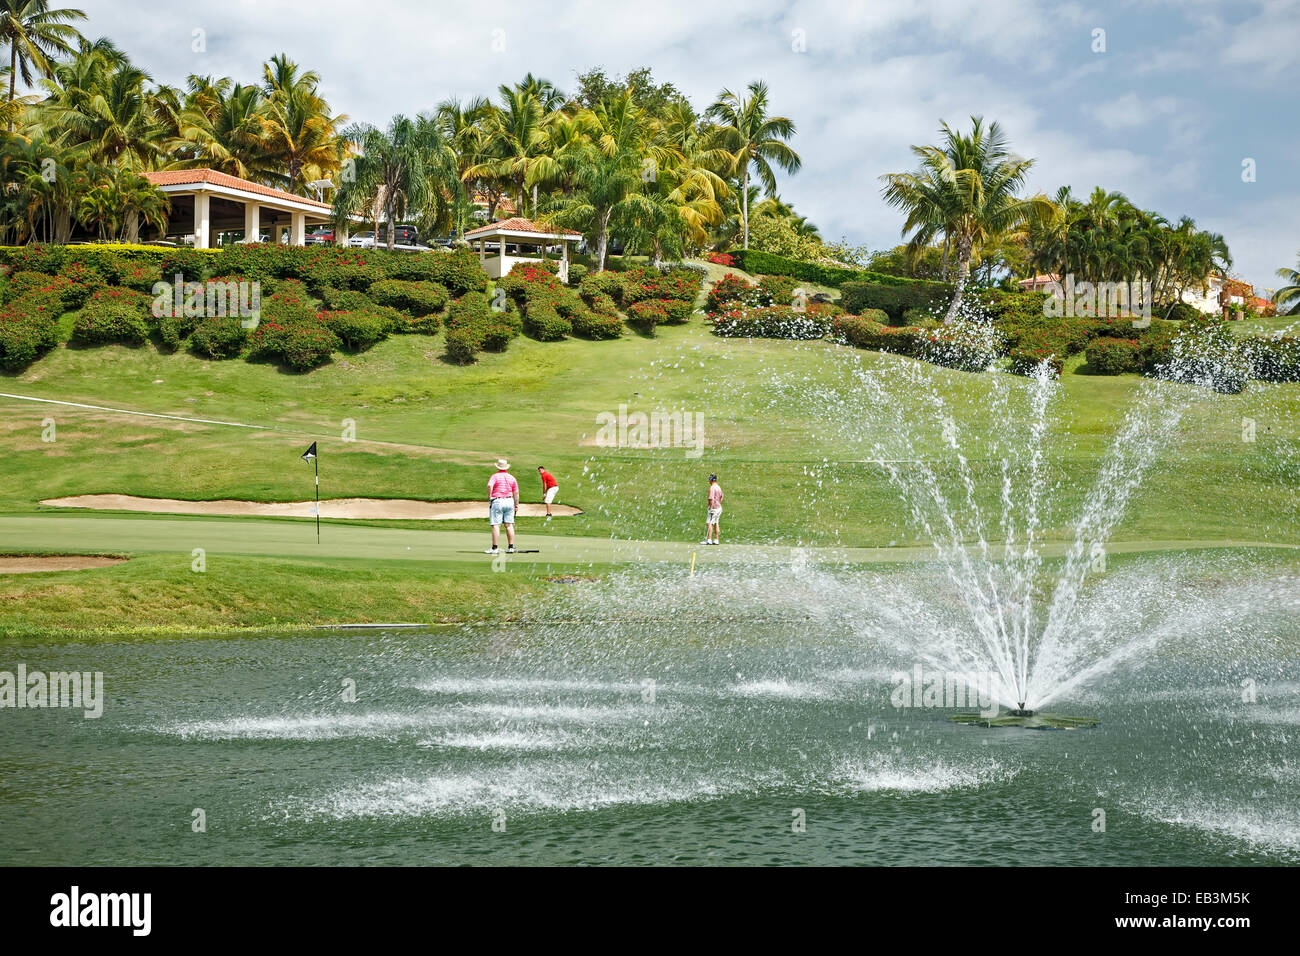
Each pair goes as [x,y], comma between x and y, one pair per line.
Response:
[564,261]
[202,221]
[482,250]
[341,235]
[252,222]
[298,229]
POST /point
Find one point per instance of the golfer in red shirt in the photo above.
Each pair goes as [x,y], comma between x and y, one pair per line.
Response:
[549,488]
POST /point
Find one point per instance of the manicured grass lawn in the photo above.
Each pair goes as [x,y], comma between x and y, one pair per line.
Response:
[788,454]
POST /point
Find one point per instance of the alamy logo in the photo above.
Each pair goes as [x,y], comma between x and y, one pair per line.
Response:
[36,689]
[658,429]
[206,300]
[1099,300]
[936,689]
[103,909]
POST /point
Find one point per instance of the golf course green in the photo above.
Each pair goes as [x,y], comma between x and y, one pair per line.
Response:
[400,422]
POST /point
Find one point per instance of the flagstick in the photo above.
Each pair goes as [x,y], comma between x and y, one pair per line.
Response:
[316,464]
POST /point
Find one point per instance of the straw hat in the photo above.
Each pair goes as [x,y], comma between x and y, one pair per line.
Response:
[503,465]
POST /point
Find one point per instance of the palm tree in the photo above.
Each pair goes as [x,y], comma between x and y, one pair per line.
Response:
[608,188]
[228,132]
[1289,294]
[514,142]
[35,33]
[755,141]
[301,136]
[966,189]
[402,170]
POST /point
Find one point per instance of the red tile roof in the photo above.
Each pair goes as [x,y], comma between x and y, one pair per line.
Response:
[517,224]
[195,177]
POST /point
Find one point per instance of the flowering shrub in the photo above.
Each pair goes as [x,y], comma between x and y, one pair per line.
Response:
[771,321]
[133,274]
[28,327]
[869,331]
[473,326]
[730,291]
[648,282]
[1109,356]
[38,257]
[721,259]
[1204,352]
[113,315]
[1027,361]
[644,316]
[299,345]
[963,345]
[289,305]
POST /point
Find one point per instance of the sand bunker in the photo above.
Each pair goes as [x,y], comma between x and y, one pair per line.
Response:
[27,564]
[392,508]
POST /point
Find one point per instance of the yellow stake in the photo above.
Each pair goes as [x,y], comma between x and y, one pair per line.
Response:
[692,564]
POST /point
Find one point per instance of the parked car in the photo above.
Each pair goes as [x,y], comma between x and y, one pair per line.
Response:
[319,235]
[362,240]
[403,234]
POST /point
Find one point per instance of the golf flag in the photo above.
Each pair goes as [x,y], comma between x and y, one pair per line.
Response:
[311,456]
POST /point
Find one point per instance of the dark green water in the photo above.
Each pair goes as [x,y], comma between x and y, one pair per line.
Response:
[559,737]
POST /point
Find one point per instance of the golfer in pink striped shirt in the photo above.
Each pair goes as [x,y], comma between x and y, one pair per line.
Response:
[503,499]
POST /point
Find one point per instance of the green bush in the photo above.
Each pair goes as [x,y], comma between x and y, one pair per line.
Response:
[28,328]
[1027,361]
[757,262]
[577,272]
[464,343]
[219,337]
[190,264]
[608,282]
[415,298]
[646,315]
[1182,312]
[113,315]
[298,345]
[647,282]
[772,322]
[356,331]
[289,305]
[870,331]
[1204,352]
[1274,359]
[458,271]
[1109,356]
[543,321]
[894,299]
[38,257]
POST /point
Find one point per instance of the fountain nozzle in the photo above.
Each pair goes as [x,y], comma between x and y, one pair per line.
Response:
[1021,712]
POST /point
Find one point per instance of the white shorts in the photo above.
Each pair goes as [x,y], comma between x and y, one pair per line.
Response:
[501,511]
[715,515]
[550,493]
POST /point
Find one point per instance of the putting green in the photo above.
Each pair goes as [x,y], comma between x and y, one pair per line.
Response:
[62,533]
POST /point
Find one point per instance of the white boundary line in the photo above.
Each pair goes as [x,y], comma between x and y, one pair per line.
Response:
[127,411]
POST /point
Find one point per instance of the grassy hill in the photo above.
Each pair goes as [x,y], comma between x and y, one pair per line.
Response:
[779,426]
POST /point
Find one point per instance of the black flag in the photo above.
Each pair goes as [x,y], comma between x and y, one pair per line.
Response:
[311,456]
[310,453]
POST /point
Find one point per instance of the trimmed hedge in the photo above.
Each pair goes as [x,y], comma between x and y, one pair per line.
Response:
[29,327]
[356,331]
[757,262]
[114,315]
[1274,359]
[1114,356]
[416,298]
[771,322]
[894,299]
[221,337]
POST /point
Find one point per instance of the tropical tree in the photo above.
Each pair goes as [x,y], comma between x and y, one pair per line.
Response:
[755,141]
[301,135]
[1288,296]
[35,35]
[402,170]
[966,190]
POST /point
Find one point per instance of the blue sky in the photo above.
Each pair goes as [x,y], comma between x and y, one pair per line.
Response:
[1184,92]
